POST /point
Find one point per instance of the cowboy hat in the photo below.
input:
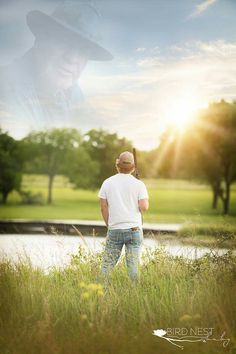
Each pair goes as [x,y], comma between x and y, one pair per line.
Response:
[78,20]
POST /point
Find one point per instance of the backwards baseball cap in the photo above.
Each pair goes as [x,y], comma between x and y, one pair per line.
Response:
[125,161]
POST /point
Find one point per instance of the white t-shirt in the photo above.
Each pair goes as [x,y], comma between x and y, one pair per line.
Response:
[122,192]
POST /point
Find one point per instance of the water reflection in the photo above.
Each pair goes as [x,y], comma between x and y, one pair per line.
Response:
[47,251]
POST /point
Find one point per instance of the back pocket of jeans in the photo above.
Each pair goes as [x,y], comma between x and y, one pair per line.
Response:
[137,237]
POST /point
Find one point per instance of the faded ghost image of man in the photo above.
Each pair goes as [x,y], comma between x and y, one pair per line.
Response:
[40,90]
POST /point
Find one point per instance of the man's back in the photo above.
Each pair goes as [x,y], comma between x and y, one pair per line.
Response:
[122,197]
[122,192]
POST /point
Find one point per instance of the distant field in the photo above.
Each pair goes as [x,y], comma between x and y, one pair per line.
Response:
[171,201]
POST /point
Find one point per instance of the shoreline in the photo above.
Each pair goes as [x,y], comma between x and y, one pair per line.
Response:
[165,232]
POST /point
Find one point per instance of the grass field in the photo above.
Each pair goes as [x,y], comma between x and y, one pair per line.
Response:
[69,311]
[72,311]
[171,201]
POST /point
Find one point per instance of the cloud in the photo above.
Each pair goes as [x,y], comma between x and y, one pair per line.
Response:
[134,101]
[156,50]
[140,49]
[201,8]
[217,48]
[149,62]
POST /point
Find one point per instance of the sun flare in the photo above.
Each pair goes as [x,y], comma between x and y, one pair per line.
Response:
[181,111]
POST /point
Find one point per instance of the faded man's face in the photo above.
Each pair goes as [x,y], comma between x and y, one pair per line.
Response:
[59,64]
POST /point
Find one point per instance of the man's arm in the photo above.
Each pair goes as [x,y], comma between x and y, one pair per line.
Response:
[143,204]
[104,210]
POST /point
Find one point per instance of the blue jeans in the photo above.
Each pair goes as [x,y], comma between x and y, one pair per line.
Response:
[132,239]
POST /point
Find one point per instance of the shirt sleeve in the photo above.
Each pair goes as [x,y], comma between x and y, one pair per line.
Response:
[143,193]
[103,191]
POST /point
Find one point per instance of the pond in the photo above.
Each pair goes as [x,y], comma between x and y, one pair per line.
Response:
[46,251]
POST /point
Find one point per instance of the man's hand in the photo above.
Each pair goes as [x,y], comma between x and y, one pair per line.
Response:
[143,204]
[104,210]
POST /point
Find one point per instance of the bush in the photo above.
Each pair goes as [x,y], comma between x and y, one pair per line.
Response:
[28,197]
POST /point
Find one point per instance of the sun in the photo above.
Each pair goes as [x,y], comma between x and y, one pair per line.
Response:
[181,111]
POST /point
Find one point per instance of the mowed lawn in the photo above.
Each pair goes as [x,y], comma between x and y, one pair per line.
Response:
[171,201]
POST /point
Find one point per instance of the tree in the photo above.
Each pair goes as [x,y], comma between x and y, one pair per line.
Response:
[166,154]
[11,161]
[52,152]
[202,164]
[166,159]
[104,148]
[147,163]
[205,151]
[212,143]
[82,171]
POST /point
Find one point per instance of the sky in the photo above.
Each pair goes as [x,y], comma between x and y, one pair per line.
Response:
[167,54]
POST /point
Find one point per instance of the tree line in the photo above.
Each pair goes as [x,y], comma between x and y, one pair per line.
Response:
[205,151]
[85,159]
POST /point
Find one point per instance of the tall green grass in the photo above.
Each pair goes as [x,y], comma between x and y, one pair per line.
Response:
[69,311]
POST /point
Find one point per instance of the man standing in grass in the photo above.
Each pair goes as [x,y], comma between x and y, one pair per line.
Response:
[122,199]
